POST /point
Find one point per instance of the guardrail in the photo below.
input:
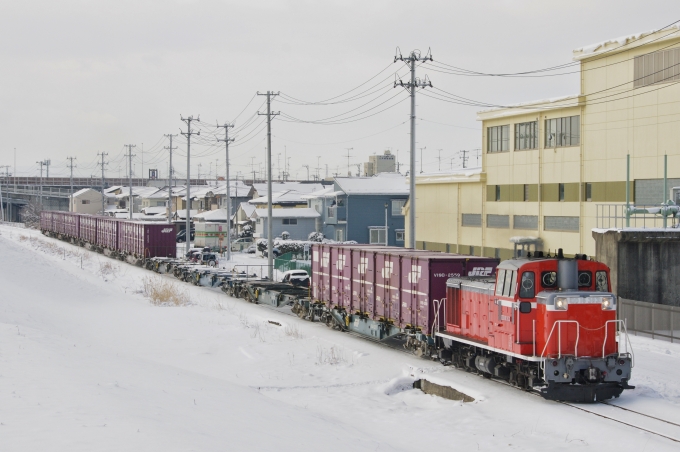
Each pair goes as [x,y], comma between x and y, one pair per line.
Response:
[649,319]
[608,216]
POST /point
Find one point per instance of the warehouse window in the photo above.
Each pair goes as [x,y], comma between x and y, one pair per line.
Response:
[498,193]
[397,205]
[498,139]
[561,191]
[560,132]
[589,192]
[526,136]
[526,192]
[290,221]
[657,67]
[377,235]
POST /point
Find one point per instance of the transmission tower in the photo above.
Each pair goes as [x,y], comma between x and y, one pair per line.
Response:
[411,61]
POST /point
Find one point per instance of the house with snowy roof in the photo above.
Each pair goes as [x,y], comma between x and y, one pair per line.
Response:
[363,209]
[87,200]
[298,222]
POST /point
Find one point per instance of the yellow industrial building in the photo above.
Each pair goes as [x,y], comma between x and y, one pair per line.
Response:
[555,169]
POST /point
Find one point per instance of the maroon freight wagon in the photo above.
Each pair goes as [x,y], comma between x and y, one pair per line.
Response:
[72,225]
[46,221]
[383,291]
[88,229]
[107,233]
[145,240]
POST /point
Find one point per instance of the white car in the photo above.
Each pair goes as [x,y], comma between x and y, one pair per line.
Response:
[241,244]
[296,277]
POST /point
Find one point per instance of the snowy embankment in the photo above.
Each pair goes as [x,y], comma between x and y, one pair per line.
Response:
[87,363]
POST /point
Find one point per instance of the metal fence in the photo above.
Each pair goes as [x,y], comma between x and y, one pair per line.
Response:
[649,319]
[293,261]
[614,216]
[13,224]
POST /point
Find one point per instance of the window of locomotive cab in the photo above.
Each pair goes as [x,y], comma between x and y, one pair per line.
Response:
[509,282]
[601,283]
[500,283]
[585,279]
[527,285]
[549,280]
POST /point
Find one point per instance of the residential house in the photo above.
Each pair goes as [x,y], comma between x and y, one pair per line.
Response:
[298,222]
[87,200]
[363,209]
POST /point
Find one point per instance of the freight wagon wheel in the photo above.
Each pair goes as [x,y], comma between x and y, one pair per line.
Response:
[302,312]
[421,350]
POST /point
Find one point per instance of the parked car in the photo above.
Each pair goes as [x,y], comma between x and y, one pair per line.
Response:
[209,259]
[182,235]
[252,249]
[277,253]
[241,244]
[296,278]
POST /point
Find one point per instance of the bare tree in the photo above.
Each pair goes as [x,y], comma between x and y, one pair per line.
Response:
[30,214]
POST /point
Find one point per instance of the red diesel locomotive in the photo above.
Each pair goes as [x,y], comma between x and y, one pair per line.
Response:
[543,323]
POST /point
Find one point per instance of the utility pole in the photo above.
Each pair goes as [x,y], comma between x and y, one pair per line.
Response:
[170,170]
[103,164]
[227,140]
[48,162]
[2,212]
[72,207]
[270,239]
[411,61]
[349,171]
[42,162]
[188,134]
[278,163]
[358,169]
[130,155]
[306,166]
[421,158]
[252,167]
[464,158]
[318,167]
[440,159]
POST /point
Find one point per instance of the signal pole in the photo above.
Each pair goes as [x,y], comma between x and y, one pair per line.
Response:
[270,239]
[42,162]
[464,158]
[227,140]
[170,148]
[188,134]
[130,155]
[411,61]
[71,208]
[103,164]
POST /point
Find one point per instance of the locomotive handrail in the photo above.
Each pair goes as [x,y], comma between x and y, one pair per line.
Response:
[626,341]
[559,323]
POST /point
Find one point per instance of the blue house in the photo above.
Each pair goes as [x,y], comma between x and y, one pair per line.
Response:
[363,209]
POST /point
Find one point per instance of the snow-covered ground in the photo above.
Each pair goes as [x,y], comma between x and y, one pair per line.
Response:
[87,363]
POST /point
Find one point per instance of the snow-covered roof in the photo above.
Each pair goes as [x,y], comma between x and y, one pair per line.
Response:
[326,192]
[288,213]
[622,43]
[533,106]
[183,213]
[473,174]
[212,215]
[112,188]
[380,184]
[83,191]
[299,187]
[288,196]
[142,192]
[247,208]
[153,210]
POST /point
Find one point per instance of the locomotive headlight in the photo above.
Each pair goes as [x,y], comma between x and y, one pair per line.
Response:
[561,303]
[608,303]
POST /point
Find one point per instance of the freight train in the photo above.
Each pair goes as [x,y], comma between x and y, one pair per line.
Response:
[541,323]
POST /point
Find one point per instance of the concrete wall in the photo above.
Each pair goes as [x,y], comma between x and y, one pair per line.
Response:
[644,264]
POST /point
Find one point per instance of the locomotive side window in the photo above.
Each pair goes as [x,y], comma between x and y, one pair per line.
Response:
[585,279]
[549,279]
[513,284]
[601,284]
[508,287]
[527,286]
[500,282]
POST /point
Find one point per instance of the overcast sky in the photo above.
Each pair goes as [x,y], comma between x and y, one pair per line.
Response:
[82,77]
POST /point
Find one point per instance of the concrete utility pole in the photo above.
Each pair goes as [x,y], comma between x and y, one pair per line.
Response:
[72,206]
[464,158]
[48,162]
[411,61]
[440,158]
[252,167]
[306,166]
[421,158]
[103,163]
[270,239]
[227,140]
[349,171]
[41,182]
[188,134]
[130,155]
[2,212]
[170,170]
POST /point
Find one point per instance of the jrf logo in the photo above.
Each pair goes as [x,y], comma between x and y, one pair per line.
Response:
[414,275]
[387,270]
[363,265]
[480,271]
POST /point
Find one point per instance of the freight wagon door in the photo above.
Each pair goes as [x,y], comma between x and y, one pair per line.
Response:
[383,273]
[362,280]
[414,283]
